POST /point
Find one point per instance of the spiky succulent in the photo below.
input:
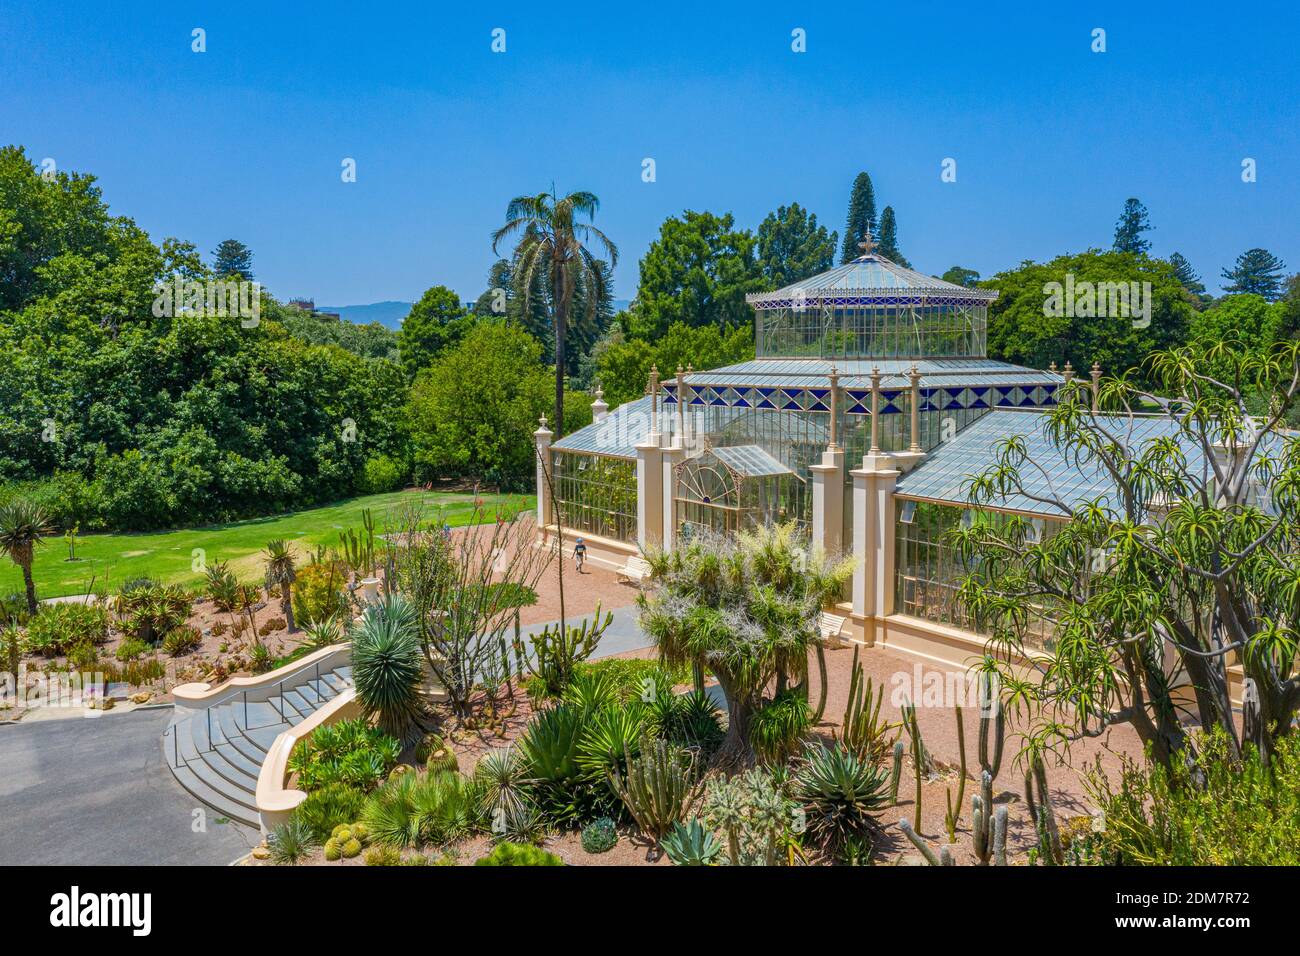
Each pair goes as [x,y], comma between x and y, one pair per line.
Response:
[839,793]
[387,664]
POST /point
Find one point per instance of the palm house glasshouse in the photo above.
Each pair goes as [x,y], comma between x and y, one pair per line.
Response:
[869,405]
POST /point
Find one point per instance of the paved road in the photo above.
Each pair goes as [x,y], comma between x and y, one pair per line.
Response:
[96,792]
[623,634]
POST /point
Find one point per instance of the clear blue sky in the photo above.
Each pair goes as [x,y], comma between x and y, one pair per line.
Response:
[246,139]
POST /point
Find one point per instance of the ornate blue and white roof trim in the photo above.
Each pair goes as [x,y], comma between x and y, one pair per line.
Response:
[869,280]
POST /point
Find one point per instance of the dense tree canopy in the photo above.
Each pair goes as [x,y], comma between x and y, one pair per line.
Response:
[232,258]
[888,244]
[861,220]
[1021,332]
[435,323]
[791,246]
[624,366]
[1129,229]
[697,272]
[1256,272]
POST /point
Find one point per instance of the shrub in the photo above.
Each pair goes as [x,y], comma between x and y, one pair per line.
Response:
[502,781]
[132,648]
[150,610]
[609,735]
[57,628]
[329,806]
[135,673]
[381,474]
[83,657]
[383,856]
[318,591]
[291,841]
[518,854]
[690,844]
[1211,810]
[632,677]
[778,728]
[691,720]
[387,664]
[182,641]
[349,752]
[415,810]
[839,792]
[269,627]
[599,836]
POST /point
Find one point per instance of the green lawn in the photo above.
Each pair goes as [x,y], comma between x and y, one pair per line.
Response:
[169,555]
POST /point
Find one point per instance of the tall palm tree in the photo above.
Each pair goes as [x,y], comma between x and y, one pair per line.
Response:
[23,525]
[280,575]
[552,247]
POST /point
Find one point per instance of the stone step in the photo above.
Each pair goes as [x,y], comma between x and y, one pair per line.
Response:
[219,802]
[193,751]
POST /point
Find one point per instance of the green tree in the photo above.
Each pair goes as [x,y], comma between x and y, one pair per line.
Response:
[1132,223]
[1187,275]
[862,217]
[791,246]
[435,323]
[552,243]
[1184,561]
[280,575]
[1256,272]
[624,367]
[888,244]
[958,275]
[1025,328]
[232,258]
[474,410]
[697,272]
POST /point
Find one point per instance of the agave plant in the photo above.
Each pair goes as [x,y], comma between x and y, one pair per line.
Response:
[611,734]
[690,844]
[324,632]
[222,585]
[839,793]
[388,666]
[549,750]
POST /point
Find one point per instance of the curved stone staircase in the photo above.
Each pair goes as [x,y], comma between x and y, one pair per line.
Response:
[216,752]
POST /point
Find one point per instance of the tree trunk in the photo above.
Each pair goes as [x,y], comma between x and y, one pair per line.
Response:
[736,752]
[561,307]
[31,588]
[286,605]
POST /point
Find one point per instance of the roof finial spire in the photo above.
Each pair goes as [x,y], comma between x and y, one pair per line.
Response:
[867,244]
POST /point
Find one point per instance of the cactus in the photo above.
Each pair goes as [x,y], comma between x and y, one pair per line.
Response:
[943,859]
[1040,811]
[897,774]
[351,848]
[863,733]
[953,815]
[985,823]
[332,850]
[995,722]
[659,787]
[918,756]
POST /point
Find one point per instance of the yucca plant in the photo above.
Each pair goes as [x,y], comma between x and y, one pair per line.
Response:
[780,726]
[290,842]
[692,720]
[592,690]
[839,793]
[23,526]
[690,844]
[388,665]
[280,575]
[503,781]
[325,632]
[610,735]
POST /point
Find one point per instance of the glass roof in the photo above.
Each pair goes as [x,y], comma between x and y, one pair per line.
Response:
[751,461]
[869,279]
[856,373]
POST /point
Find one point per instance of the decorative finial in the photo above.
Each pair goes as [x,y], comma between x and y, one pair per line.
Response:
[867,243]
[543,420]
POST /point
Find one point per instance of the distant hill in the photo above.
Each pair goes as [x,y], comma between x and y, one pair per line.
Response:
[389,314]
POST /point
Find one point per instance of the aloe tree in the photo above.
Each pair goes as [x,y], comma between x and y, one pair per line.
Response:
[552,246]
[1188,564]
[23,525]
[746,608]
[280,575]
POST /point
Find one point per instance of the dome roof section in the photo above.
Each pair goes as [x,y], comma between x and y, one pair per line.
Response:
[870,279]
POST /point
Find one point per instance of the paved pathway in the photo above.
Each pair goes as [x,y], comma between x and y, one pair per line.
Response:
[96,791]
[623,634]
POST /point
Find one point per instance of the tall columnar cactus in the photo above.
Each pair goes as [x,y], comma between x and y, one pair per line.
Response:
[1041,812]
[863,733]
[993,722]
[953,815]
[897,774]
[918,756]
[944,857]
[659,787]
[989,833]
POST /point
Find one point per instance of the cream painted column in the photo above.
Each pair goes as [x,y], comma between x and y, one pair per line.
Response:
[650,477]
[873,542]
[828,485]
[542,440]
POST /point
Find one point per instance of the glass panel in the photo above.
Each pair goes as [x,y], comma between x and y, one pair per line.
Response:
[596,494]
